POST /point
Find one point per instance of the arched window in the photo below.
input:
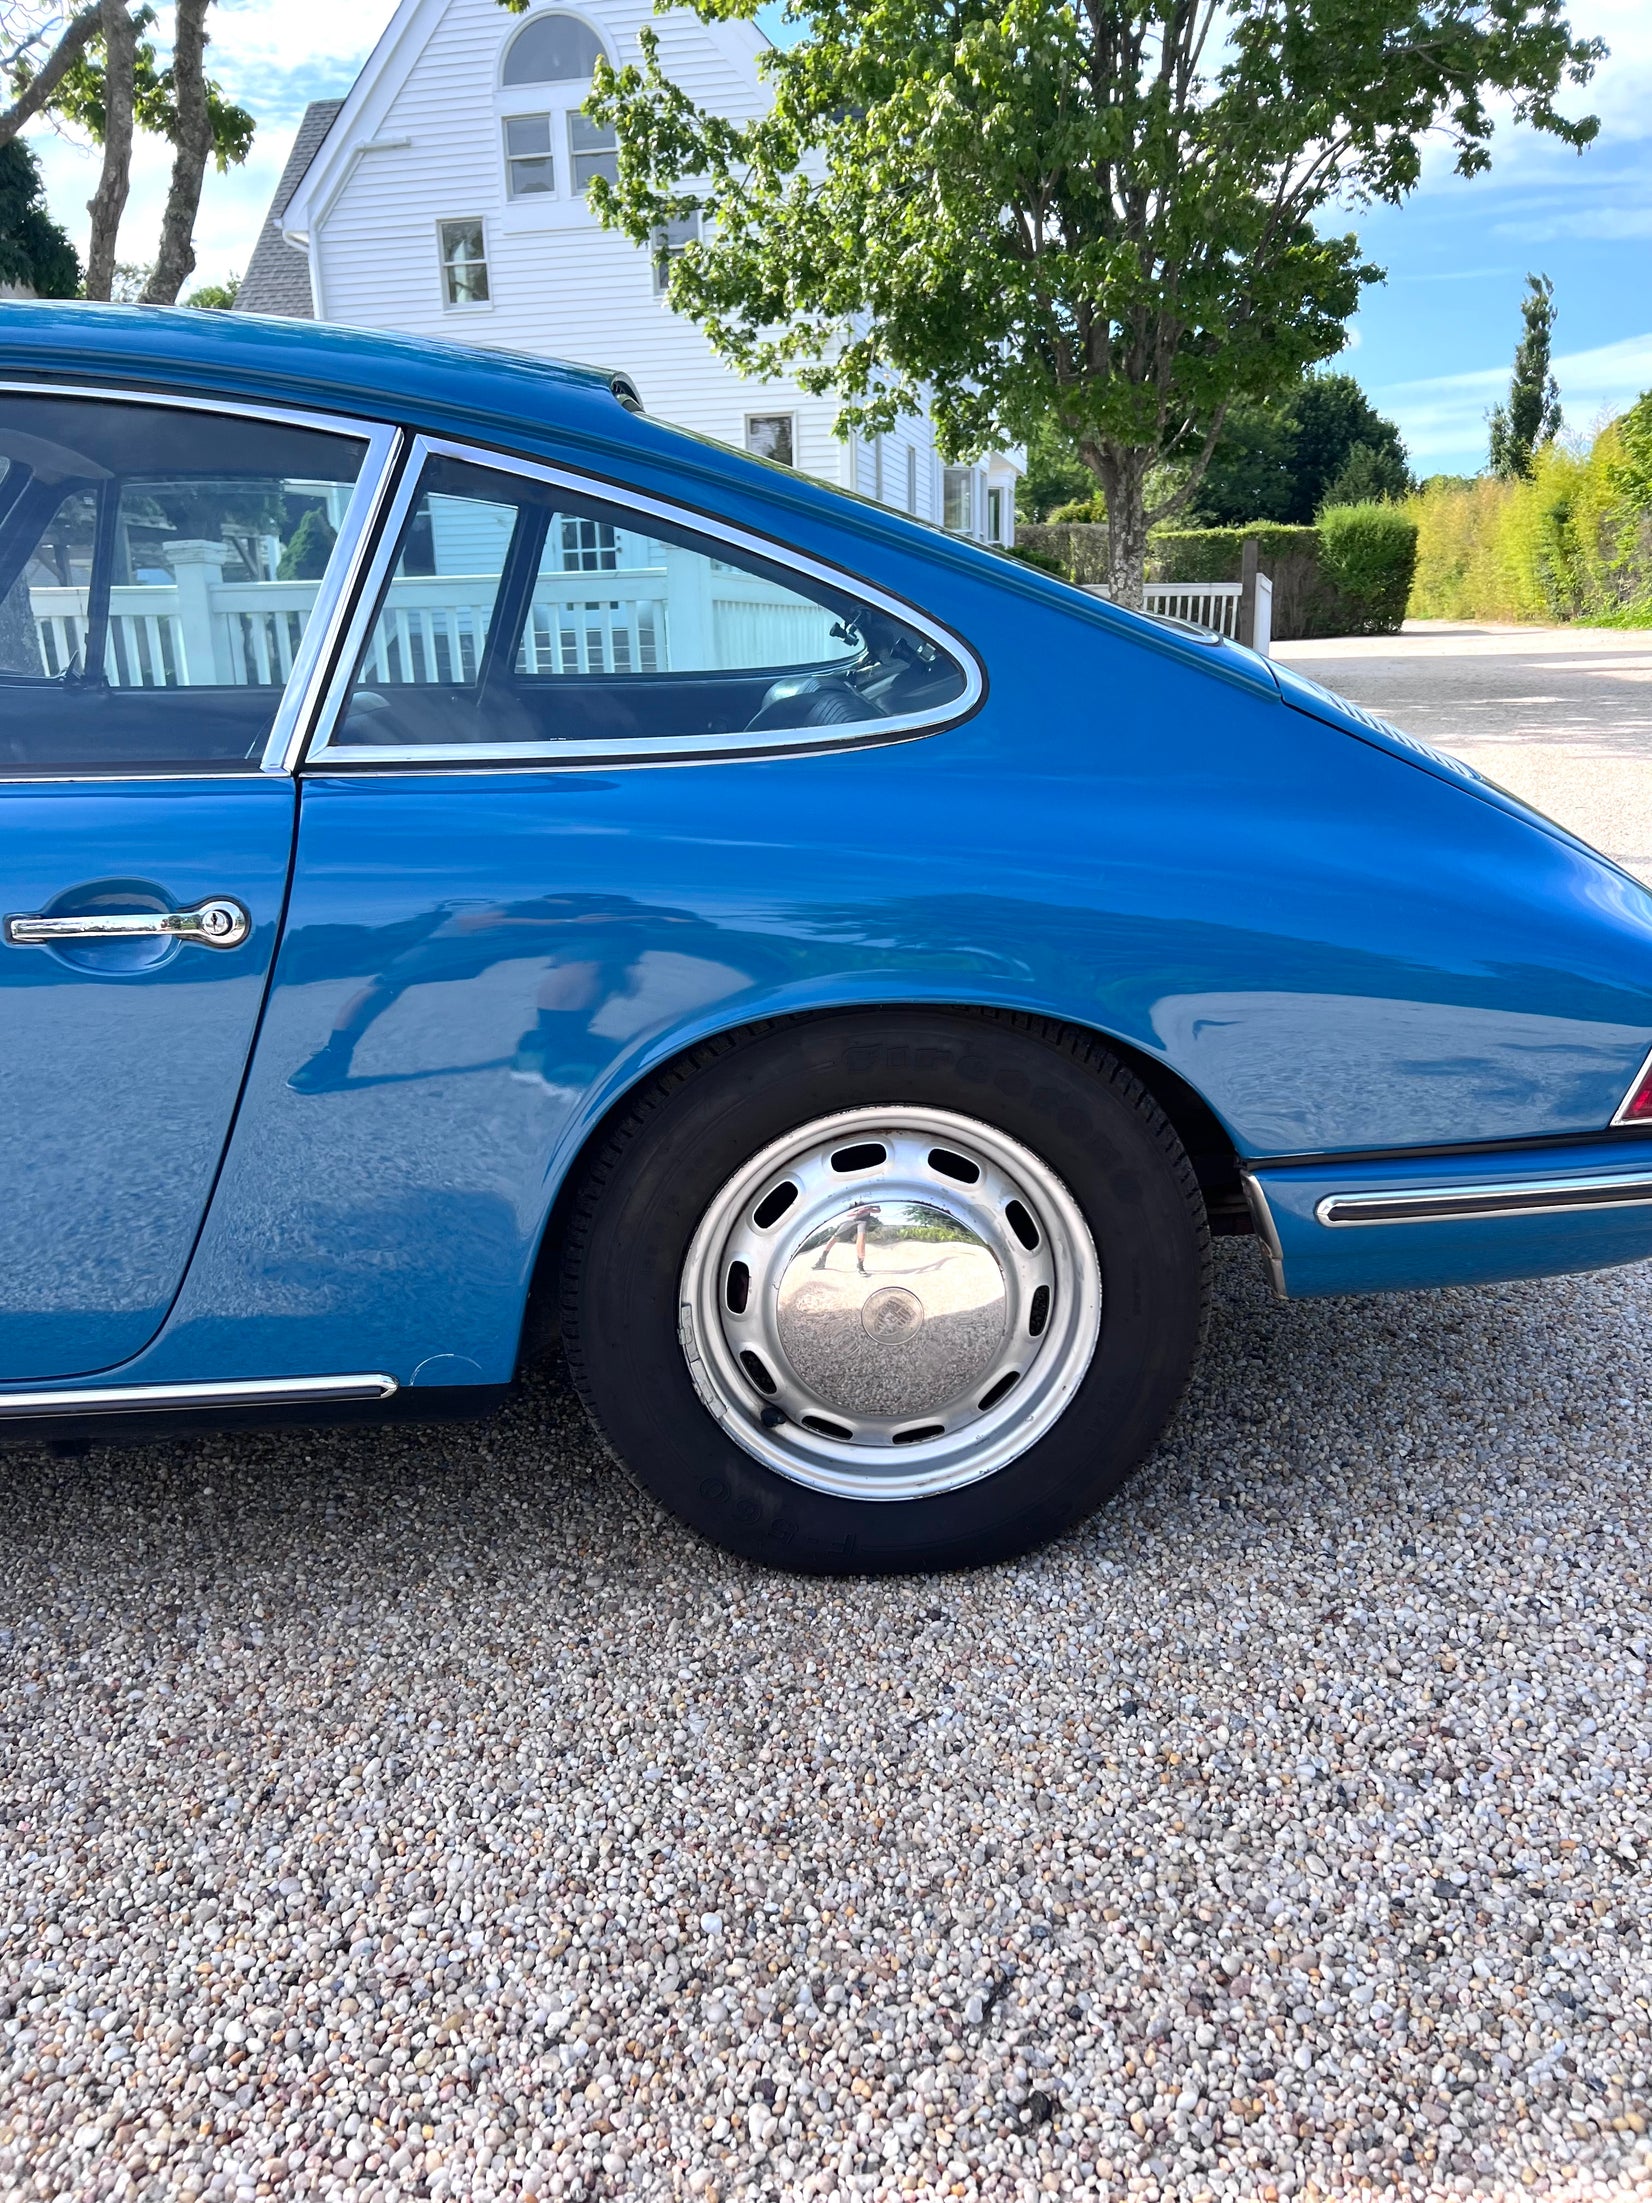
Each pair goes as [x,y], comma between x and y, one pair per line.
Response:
[552,49]
[554,56]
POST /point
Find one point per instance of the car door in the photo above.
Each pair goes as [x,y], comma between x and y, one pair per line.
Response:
[165,574]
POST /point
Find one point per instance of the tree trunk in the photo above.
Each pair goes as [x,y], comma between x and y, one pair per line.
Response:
[36,94]
[108,202]
[1122,471]
[192,141]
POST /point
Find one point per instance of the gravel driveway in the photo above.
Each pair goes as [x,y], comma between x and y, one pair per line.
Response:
[414,1813]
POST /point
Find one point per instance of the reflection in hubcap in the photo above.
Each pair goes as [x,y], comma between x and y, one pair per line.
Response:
[891,1309]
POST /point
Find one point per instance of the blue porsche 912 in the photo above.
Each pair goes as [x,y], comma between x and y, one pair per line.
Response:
[479,863]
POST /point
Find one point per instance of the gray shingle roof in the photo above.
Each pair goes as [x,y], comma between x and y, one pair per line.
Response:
[277,280]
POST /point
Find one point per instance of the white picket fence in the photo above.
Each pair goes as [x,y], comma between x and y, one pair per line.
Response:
[687,614]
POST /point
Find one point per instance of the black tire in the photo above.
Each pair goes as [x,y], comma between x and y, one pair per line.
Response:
[1063,1096]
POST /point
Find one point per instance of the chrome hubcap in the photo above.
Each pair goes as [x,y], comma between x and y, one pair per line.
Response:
[890,1303]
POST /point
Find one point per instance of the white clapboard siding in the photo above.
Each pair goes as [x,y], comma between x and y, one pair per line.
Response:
[421,142]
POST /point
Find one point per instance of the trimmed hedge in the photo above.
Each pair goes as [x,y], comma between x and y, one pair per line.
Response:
[1078,552]
[1368,553]
[1350,576]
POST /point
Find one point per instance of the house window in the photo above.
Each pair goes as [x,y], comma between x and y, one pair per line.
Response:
[668,246]
[589,547]
[958,500]
[771,436]
[593,150]
[995,516]
[912,478]
[464,264]
[552,49]
[530,170]
[877,469]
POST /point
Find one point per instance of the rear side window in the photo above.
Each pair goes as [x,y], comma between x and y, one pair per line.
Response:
[158,571]
[520,616]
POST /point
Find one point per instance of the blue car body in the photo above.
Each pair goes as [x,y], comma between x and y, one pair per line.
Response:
[1351,971]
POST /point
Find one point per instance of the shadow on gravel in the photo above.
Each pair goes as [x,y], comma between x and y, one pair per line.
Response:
[1399,1400]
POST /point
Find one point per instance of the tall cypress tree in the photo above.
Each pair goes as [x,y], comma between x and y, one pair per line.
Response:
[34,251]
[1532,415]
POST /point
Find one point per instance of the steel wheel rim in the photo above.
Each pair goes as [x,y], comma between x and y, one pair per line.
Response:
[904,1353]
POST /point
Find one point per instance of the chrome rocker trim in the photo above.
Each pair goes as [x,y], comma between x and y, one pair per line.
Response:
[1508,1197]
[129,1399]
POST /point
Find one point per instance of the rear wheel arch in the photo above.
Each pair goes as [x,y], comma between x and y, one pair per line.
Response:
[1205,1140]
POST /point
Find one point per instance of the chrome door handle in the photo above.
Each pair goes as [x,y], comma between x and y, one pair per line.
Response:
[218,923]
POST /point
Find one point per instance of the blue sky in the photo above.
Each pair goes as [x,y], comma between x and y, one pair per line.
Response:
[1432,344]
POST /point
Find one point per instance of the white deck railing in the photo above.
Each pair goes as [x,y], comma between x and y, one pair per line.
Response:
[1215,605]
[202,631]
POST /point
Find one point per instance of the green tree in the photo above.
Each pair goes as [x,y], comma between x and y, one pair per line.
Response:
[1369,476]
[96,70]
[307,553]
[1055,473]
[1532,415]
[1284,459]
[220,297]
[1103,216]
[34,251]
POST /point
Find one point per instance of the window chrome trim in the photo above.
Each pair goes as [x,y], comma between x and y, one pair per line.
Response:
[770,742]
[1468,1204]
[257,1392]
[312,661]
[1619,1115]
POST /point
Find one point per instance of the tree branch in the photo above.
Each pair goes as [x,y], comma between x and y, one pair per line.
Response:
[34,96]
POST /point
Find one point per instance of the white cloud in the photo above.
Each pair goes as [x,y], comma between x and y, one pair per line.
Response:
[1442,415]
[274,56]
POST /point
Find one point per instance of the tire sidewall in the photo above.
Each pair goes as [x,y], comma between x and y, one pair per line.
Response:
[1059,1095]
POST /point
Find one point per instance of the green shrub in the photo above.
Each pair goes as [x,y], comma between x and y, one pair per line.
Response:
[1081,512]
[1368,553]
[1214,554]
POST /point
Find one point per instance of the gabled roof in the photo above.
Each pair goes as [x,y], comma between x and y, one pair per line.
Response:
[277,280]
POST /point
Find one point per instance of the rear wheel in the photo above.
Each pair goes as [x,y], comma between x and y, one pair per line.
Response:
[887,1290]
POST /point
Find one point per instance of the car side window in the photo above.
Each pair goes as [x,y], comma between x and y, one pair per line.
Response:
[158,569]
[522,613]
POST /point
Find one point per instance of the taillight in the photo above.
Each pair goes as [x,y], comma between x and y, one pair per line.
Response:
[1636,1106]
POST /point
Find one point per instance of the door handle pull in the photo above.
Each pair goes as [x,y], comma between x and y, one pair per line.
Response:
[218,923]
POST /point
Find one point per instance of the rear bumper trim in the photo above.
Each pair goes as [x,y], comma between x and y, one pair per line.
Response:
[1507,1197]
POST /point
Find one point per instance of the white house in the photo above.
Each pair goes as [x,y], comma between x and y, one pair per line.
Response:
[446,197]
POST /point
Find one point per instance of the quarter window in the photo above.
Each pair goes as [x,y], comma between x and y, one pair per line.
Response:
[770,436]
[464,264]
[158,570]
[530,167]
[523,615]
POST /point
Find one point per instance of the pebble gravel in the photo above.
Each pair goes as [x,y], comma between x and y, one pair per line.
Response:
[420,1813]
